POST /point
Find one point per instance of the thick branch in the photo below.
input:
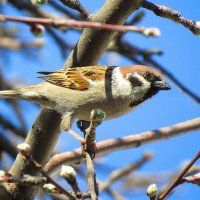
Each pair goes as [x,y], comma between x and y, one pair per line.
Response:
[114,12]
[131,141]
[42,138]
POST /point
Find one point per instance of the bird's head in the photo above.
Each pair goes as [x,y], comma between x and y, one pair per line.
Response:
[143,81]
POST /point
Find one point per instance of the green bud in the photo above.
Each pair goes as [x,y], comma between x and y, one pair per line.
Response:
[97,115]
[51,189]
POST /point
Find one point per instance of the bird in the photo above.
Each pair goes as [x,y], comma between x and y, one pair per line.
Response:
[75,92]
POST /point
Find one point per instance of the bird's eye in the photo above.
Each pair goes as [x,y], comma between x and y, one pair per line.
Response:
[148,76]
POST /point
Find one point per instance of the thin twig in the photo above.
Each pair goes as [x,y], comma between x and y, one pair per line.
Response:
[24,180]
[69,174]
[131,141]
[25,151]
[177,180]
[63,191]
[58,23]
[90,138]
[136,18]
[7,146]
[64,46]
[91,177]
[118,174]
[195,179]
[76,5]
[142,181]
[37,12]
[62,9]
[114,194]
[96,117]
[14,44]
[7,124]
[173,15]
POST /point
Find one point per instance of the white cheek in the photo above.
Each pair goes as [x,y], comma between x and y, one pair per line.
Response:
[120,86]
[145,84]
[140,91]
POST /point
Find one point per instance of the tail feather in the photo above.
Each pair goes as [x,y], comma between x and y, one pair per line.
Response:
[29,93]
[44,74]
[10,94]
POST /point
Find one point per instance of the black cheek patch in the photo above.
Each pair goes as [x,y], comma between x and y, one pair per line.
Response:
[135,81]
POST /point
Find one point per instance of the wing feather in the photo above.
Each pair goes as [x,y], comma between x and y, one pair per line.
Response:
[78,78]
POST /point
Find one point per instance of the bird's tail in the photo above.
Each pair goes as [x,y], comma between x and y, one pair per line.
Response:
[30,93]
[11,94]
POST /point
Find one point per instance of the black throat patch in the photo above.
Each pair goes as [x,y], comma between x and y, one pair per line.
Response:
[152,91]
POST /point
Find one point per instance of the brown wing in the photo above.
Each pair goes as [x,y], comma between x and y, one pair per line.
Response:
[78,78]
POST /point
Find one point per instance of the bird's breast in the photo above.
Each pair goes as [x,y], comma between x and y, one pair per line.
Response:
[113,109]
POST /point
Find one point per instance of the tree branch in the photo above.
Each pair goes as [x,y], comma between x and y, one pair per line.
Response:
[63,23]
[175,16]
[91,177]
[42,138]
[131,141]
[178,178]
[118,174]
[76,5]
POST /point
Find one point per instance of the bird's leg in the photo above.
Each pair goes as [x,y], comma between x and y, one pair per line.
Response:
[89,130]
[66,126]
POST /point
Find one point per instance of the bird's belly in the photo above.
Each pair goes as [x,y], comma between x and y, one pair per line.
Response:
[112,109]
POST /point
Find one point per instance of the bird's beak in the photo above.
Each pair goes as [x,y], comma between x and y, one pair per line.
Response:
[161,85]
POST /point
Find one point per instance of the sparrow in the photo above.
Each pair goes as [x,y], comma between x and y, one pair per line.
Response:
[75,92]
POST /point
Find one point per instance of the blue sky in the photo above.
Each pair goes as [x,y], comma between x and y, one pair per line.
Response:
[181,57]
